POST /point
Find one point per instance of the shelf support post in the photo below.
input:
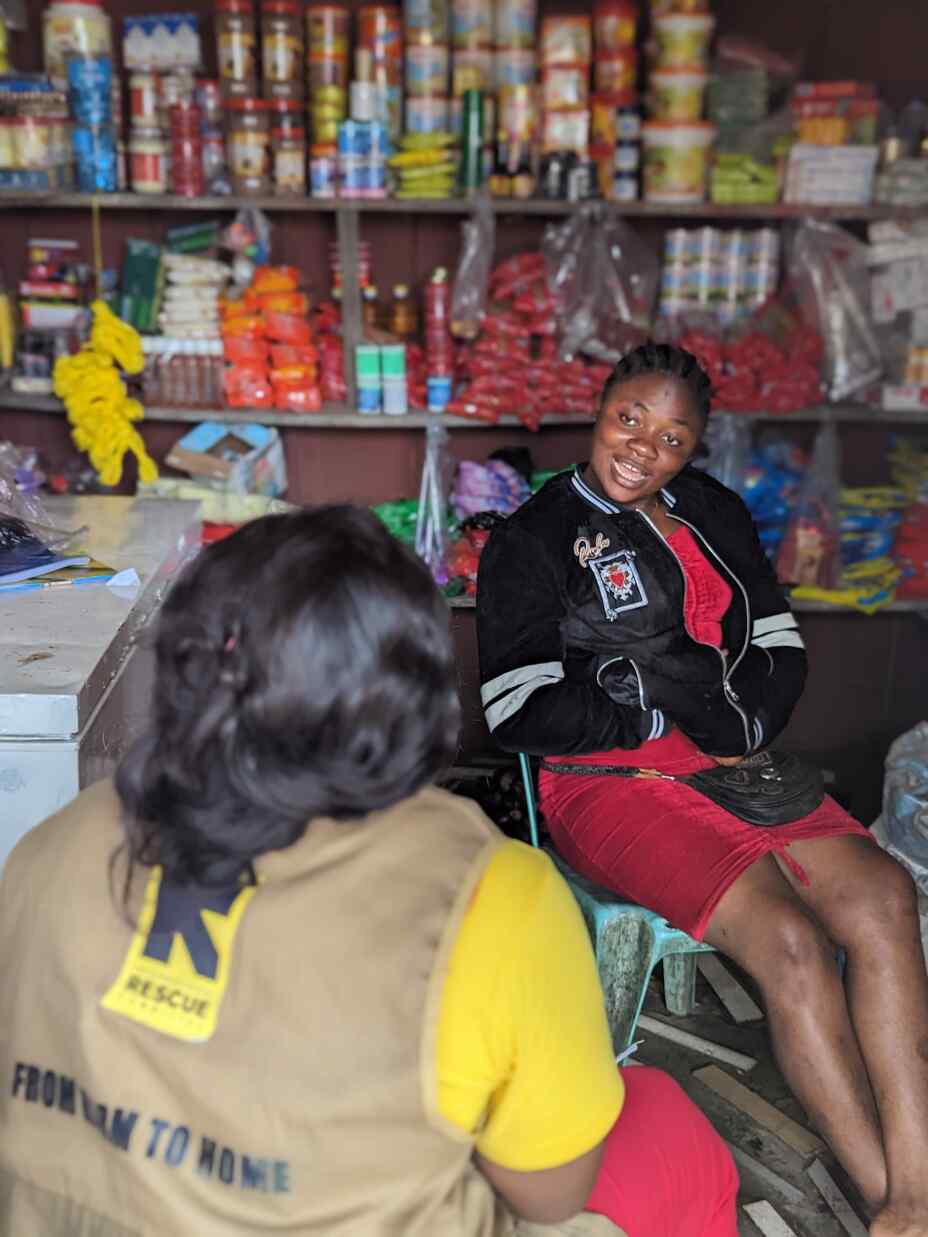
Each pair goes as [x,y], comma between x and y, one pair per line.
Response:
[347,223]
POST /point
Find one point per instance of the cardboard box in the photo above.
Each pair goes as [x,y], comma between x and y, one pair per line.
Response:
[238,459]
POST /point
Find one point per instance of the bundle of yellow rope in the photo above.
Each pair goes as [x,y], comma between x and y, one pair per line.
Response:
[94,394]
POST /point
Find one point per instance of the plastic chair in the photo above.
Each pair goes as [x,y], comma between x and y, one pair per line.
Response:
[628,940]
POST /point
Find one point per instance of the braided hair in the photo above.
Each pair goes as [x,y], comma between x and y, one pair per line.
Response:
[652,358]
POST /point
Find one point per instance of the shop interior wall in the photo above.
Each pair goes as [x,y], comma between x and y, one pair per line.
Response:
[866,673]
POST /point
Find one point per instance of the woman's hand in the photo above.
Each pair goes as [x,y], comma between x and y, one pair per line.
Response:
[726,760]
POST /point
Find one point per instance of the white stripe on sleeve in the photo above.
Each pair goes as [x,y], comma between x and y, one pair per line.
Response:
[779,640]
[513,701]
[776,622]
[515,678]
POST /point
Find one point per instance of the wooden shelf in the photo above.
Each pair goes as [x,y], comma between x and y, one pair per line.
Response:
[450,206]
[335,417]
[798,604]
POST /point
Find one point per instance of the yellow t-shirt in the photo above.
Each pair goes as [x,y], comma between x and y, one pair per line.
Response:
[524,1054]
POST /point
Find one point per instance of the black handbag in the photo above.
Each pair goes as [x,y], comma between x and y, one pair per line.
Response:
[768,789]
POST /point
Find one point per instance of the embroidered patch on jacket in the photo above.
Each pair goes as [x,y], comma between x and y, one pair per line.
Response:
[176,972]
[619,583]
[585,549]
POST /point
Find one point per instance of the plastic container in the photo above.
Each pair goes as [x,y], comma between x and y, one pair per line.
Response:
[323,171]
[616,74]
[380,31]
[614,118]
[683,40]
[95,158]
[328,30]
[281,50]
[90,89]
[143,100]
[248,135]
[676,160]
[427,70]
[515,22]
[288,152]
[236,47]
[74,28]
[566,40]
[565,86]
[471,24]
[517,118]
[472,70]
[615,26]
[676,94]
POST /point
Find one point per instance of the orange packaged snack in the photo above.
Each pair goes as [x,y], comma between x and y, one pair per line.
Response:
[275,279]
[284,302]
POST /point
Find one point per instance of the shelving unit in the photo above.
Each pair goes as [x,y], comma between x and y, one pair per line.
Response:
[799,604]
[338,417]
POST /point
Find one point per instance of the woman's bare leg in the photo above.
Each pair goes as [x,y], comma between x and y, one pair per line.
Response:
[763,925]
[867,903]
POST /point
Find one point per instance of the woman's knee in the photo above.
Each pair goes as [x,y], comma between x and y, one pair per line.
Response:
[874,902]
[784,949]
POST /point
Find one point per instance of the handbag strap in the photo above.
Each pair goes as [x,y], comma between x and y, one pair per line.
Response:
[585,770]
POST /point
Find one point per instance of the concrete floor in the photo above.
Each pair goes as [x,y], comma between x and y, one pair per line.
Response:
[755,1149]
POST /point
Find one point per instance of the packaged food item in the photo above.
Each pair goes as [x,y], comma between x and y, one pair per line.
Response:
[614,118]
[380,31]
[427,70]
[472,70]
[74,28]
[566,40]
[676,160]
[90,89]
[186,126]
[616,74]
[615,24]
[236,47]
[281,49]
[323,171]
[472,24]
[683,40]
[517,114]
[515,67]
[430,115]
[514,24]
[328,30]
[95,158]
[565,86]
[566,131]
[676,94]
[143,100]
[426,22]
[288,151]
[248,144]
[161,42]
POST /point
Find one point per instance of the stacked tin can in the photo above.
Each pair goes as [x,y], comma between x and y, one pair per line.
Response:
[472,58]
[379,60]
[615,118]
[514,56]
[185,121]
[730,273]
[327,74]
[566,56]
[426,29]
[515,62]
[209,101]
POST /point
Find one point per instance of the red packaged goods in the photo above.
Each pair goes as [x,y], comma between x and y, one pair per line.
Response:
[834,90]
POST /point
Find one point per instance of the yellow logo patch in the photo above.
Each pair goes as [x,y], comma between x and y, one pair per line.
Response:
[177,969]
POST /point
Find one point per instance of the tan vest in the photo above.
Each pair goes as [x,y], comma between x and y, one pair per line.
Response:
[310,1110]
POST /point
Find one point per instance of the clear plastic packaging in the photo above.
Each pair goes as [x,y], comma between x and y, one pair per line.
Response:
[809,556]
[828,271]
[601,276]
[469,295]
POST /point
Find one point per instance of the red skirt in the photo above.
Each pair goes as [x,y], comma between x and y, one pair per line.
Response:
[662,844]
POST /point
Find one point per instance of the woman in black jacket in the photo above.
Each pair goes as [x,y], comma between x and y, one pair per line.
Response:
[628,617]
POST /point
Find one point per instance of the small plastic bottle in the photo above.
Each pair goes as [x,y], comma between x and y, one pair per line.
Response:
[369,308]
[403,313]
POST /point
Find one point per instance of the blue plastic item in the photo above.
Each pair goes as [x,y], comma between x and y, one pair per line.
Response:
[628,941]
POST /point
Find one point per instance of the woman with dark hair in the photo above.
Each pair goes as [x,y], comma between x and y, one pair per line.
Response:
[629,622]
[274,981]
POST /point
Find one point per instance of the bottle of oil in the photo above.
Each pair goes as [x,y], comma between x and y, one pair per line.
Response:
[403,318]
[369,307]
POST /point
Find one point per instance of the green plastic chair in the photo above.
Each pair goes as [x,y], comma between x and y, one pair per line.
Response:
[628,941]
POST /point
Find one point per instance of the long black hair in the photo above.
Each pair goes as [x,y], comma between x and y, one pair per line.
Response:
[651,358]
[304,668]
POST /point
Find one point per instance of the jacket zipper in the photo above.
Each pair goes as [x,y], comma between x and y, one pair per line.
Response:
[730,694]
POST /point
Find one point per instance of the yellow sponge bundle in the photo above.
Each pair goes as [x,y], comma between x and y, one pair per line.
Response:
[99,409]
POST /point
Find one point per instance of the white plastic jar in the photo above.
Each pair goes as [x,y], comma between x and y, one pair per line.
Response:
[74,27]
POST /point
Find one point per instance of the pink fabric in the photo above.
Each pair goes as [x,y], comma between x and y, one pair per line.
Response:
[659,843]
[665,1170]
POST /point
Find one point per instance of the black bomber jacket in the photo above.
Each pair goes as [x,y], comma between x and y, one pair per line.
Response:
[580,626]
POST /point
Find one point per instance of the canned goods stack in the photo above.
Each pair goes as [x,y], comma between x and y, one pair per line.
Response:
[381,378]
[729,273]
[281,50]
[74,28]
[379,60]
[472,58]
[149,157]
[439,346]
[515,59]
[615,121]
[327,72]
[93,137]
[566,56]
[426,28]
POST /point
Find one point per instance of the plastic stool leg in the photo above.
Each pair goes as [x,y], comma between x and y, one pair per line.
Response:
[680,983]
[626,956]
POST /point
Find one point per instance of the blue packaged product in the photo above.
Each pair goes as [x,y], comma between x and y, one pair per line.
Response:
[95,158]
[374,173]
[354,137]
[90,89]
[438,391]
[369,398]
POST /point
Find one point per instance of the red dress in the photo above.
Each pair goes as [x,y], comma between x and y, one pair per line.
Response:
[659,843]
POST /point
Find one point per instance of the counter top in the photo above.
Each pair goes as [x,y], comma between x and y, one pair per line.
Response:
[61,647]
